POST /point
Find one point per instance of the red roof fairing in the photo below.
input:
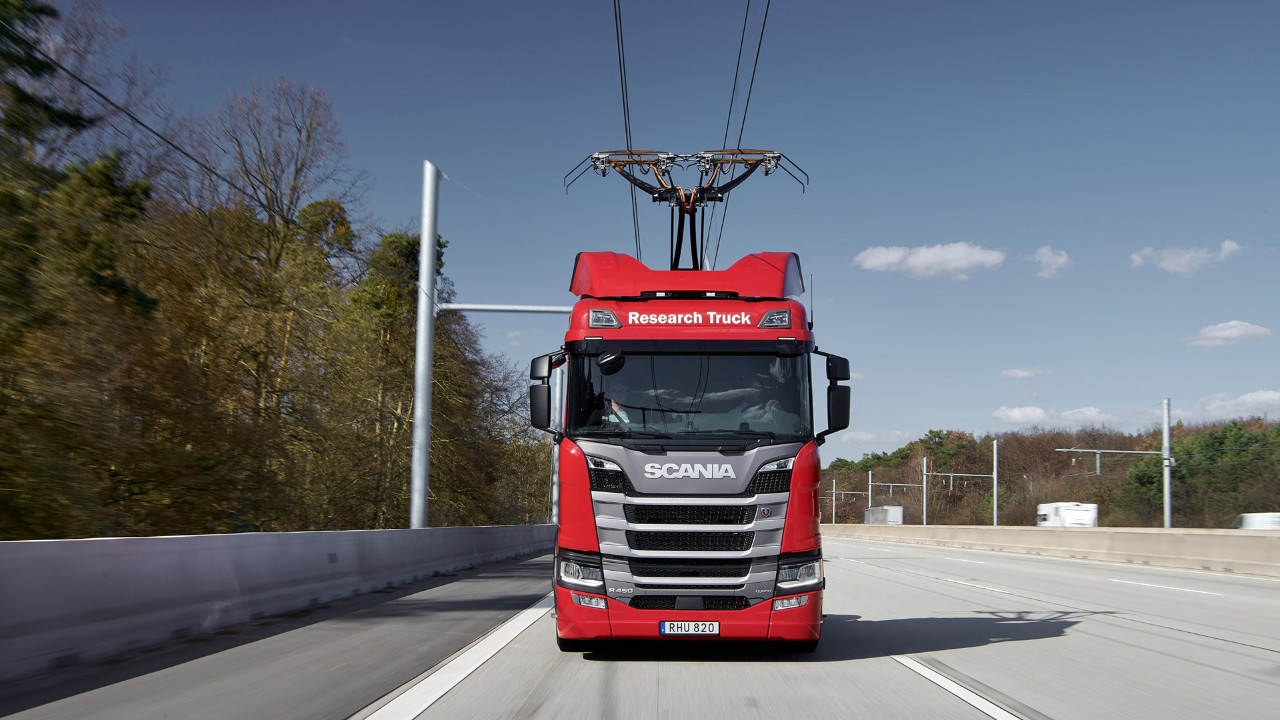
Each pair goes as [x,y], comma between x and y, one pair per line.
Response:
[744,294]
[614,275]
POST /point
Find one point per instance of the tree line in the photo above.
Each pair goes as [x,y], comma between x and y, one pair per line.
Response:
[1220,470]
[197,335]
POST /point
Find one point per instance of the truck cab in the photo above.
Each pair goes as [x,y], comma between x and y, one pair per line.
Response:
[687,453]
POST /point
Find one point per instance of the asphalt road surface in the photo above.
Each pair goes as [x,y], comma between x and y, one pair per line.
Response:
[910,632]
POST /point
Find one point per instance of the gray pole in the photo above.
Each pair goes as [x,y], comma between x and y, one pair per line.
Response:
[995,483]
[924,485]
[868,489]
[833,500]
[1167,458]
[423,348]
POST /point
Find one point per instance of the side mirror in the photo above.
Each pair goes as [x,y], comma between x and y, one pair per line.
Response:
[838,402]
[540,394]
[540,368]
[837,368]
[838,396]
[540,406]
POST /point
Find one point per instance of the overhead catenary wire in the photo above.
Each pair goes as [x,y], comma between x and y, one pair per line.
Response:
[125,111]
[626,111]
[755,65]
[728,118]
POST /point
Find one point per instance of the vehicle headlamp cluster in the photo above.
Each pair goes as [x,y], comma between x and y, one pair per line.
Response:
[776,465]
[599,463]
[775,320]
[580,570]
[800,573]
[601,318]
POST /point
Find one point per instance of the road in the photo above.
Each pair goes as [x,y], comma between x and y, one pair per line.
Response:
[910,632]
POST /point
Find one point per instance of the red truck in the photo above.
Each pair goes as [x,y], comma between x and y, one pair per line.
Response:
[686,454]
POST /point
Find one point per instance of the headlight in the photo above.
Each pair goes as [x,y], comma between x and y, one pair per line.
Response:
[600,318]
[800,576]
[599,463]
[783,464]
[776,320]
[581,574]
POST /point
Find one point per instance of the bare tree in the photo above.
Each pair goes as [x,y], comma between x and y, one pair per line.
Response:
[281,146]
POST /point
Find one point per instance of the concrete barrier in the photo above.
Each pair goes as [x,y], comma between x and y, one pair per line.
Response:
[73,601]
[1253,552]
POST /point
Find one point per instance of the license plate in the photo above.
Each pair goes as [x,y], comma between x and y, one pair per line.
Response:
[681,627]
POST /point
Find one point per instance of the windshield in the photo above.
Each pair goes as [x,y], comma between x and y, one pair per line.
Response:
[753,395]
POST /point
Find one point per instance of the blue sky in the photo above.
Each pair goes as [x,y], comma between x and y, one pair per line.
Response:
[1020,214]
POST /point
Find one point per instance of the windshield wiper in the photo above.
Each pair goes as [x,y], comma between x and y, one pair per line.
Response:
[727,431]
[627,433]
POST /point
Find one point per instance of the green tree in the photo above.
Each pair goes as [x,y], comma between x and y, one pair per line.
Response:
[1219,473]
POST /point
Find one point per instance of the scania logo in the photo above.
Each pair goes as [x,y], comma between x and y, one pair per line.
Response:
[688,470]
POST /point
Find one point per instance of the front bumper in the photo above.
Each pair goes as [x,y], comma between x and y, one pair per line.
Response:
[618,621]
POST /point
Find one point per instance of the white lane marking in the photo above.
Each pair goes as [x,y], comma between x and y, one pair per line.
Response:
[413,701]
[1165,587]
[975,562]
[980,587]
[877,549]
[980,703]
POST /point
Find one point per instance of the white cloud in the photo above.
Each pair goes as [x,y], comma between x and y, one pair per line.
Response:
[1224,407]
[1021,373]
[954,259]
[1183,261]
[1228,333]
[1050,261]
[1021,415]
[1032,415]
[1087,417]
[896,438]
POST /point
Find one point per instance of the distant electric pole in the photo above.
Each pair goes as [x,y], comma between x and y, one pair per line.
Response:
[995,481]
[1166,460]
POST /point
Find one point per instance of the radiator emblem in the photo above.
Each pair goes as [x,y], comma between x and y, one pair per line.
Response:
[688,470]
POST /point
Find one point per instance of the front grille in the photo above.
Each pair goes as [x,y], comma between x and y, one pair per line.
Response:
[702,541]
[710,602]
[725,602]
[654,602]
[608,480]
[689,514]
[774,481]
[658,567]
